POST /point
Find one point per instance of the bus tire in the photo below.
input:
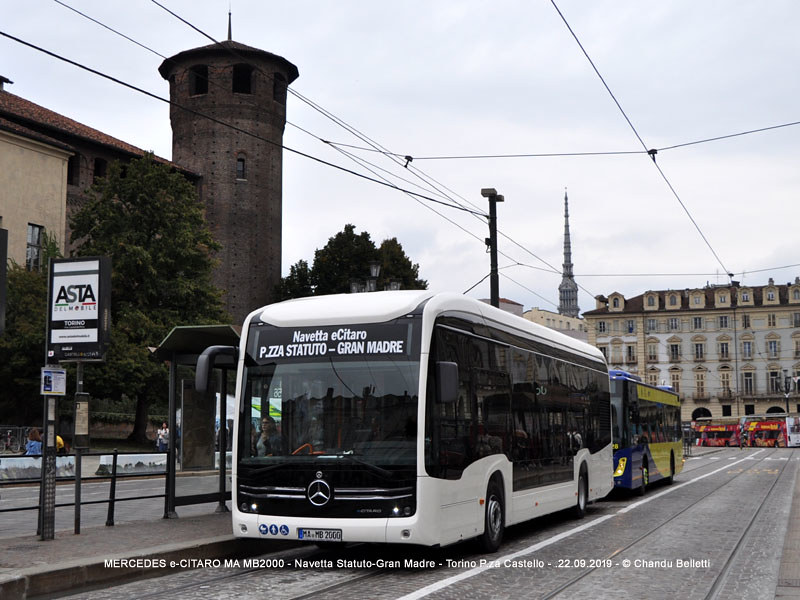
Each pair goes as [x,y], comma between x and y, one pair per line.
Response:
[583,494]
[494,521]
[645,475]
[671,478]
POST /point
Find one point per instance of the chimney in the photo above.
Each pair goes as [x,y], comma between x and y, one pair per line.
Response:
[3,81]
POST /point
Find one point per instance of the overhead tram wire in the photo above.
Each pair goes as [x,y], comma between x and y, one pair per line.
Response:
[308,101]
[376,147]
[374,144]
[223,123]
[652,153]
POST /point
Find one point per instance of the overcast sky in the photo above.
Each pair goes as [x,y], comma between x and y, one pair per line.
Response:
[464,78]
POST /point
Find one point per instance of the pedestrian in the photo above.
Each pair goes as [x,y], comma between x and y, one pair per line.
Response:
[162,438]
[61,447]
[33,447]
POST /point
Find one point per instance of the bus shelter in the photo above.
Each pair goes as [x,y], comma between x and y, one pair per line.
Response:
[199,423]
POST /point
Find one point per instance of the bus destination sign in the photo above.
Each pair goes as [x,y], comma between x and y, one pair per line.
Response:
[373,341]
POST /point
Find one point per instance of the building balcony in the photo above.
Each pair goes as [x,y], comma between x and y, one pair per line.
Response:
[725,395]
[631,361]
[701,396]
[724,359]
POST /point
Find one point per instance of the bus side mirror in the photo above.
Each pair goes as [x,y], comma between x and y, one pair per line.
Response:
[206,362]
[446,382]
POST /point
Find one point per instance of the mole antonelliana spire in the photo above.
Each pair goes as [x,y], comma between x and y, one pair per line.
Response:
[568,290]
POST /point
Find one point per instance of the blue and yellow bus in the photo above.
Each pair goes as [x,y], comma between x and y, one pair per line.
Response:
[646,429]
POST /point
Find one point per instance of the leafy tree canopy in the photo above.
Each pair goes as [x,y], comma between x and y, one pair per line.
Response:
[22,344]
[345,257]
[148,220]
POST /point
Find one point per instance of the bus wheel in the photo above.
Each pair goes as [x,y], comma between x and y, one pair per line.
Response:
[671,477]
[494,518]
[645,474]
[583,495]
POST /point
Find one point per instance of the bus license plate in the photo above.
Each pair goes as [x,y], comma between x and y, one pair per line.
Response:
[319,535]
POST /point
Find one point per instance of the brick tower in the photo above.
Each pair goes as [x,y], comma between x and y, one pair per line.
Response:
[227,126]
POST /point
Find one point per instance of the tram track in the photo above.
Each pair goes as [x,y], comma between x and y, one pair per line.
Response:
[336,583]
[722,576]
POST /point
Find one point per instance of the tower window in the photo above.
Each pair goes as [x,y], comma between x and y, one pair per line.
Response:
[100,168]
[242,79]
[279,88]
[241,168]
[198,80]
[74,169]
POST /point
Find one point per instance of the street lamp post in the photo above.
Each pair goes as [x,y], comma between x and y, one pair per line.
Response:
[491,241]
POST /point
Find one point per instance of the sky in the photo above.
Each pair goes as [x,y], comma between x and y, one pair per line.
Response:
[443,80]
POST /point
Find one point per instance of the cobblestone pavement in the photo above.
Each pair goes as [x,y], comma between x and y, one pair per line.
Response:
[675,542]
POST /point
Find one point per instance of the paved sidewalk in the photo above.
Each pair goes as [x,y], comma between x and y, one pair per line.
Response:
[31,567]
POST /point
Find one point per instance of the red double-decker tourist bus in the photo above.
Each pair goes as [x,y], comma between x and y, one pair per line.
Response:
[714,433]
[769,434]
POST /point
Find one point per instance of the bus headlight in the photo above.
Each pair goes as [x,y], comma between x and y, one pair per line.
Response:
[621,467]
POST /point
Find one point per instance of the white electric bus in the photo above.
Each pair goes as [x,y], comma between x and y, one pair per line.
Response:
[410,417]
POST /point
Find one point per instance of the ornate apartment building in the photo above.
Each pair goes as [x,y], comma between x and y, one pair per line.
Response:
[727,350]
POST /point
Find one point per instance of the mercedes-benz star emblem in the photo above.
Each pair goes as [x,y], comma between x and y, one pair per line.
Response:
[319,492]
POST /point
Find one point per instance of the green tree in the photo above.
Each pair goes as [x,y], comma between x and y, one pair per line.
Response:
[297,284]
[22,344]
[347,256]
[148,220]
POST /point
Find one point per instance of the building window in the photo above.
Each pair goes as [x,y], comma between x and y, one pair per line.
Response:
[749,384]
[723,299]
[630,354]
[279,88]
[74,170]
[675,381]
[697,322]
[797,348]
[796,319]
[673,324]
[242,79]
[775,382]
[651,301]
[745,296]
[198,80]
[771,320]
[674,352]
[652,325]
[726,410]
[697,300]
[749,409]
[652,378]
[699,351]
[723,322]
[100,168]
[33,252]
[773,348]
[723,351]
[725,383]
[796,294]
[615,303]
[771,295]
[631,326]
[604,350]
[673,300]
[747,350]
[700,384]
[652,352]
[746,321]
[601,327]
[241,168]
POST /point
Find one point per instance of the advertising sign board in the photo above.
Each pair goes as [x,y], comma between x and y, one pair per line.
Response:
[78,319]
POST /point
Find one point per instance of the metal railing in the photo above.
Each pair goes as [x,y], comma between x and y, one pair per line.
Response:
[23,470]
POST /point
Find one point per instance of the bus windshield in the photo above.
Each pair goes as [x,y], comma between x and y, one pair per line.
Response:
[358,410]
